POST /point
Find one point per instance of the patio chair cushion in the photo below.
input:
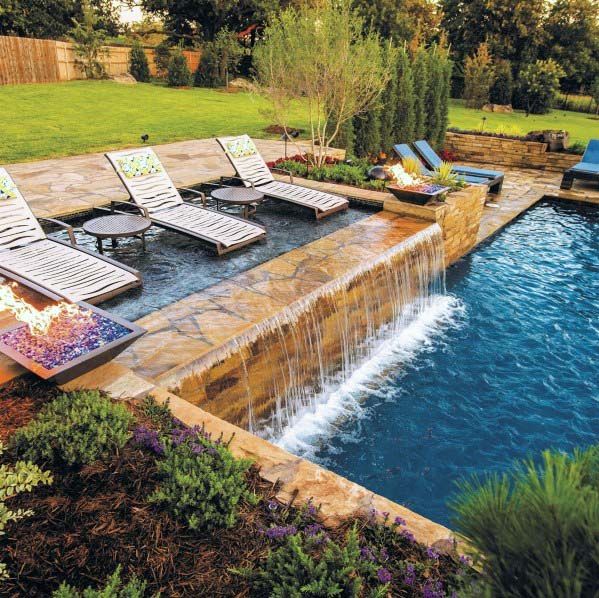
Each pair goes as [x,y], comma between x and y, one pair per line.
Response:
[141,164]
[246,159]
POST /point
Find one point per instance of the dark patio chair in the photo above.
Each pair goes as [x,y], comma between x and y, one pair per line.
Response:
[587,169]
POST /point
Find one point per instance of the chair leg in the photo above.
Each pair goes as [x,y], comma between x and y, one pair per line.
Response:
[567,181]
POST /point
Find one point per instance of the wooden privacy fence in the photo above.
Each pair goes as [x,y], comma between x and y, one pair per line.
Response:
[26,60]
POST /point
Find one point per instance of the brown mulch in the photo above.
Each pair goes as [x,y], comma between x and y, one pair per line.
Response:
[88,522]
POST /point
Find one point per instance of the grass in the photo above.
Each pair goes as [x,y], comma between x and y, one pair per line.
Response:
[579,125]
[63,119]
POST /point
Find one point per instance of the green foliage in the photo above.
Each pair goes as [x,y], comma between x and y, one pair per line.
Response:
[16,479]
[202,482]
[367,129]
[479,75]
[302,568]
[88,41]
[503,87]
[389,102]
[404,124]
[114,588]
[421,84]
[445,175]
[538,85]
[178,70]
[75,429]
[138,63]
[219,61]
[346,138]
[536,528]
[411,165]
[594,91]
[435,94]
[162,58]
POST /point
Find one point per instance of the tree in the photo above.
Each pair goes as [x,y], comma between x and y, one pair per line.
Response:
[421,85]
[367,133]
[178,70]
[203,19]
[539,84]
[446,70]
[572,40]
[220,59]
[594,91]
[435,94]
[162,57]
[138,63]
[389,102]
[88,43]
[52,19]
[478,77]
[503,86]
[404,125]
[319,54]
[514,29]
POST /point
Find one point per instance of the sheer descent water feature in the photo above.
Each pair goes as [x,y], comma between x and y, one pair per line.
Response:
[268,376]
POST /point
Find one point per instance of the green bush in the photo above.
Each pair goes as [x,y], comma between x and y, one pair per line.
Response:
[503,86]
[114,588]
[435,94]
[389,102]
[367,133]
[162,57]
[421,84]
[220,60]
[76,428]
[403,129]
[178,70]
[538,85]
[479,75]
[22,477]
[301,567]
[202,483]
[138,63]
[536,530]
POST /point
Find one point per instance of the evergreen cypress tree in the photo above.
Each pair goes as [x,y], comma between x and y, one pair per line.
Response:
[178,70]
[434,93]
[389,103]
[345,138]
[367,128]
[445,82]
[421,84]
[404,112]
[138,63]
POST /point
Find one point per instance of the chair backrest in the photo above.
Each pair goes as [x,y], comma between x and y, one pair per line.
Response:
[403,150]
[428,154]
[246,159]
[591,154]
[145,178]
[18,225]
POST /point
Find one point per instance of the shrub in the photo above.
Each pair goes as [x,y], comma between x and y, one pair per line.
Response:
[404,108]
[178,70]
[411,165]
[389,102]
[88,42]
[367,130]
[114,588]
[538,85]
[421,85]
[138,63]
[445,175]
[302,567]
[202,483]
[436,95]
[594,91]
[478,77]
[21,477]
[74,429]
[503,87]
[537,527]
[220,60]
[162,57]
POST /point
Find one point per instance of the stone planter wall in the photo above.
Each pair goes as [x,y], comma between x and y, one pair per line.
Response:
[507,152]
[459,218]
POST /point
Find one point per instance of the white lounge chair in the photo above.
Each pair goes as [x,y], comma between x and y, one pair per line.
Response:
[253,172]
[155,195]
[50,265]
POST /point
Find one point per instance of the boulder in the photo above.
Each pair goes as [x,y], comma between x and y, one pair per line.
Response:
[504,108]
[242,84]
[125,79]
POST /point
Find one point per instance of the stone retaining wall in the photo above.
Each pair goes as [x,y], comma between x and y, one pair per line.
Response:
[507,152]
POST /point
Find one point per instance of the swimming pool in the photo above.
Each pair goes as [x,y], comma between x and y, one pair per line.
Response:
[501,367]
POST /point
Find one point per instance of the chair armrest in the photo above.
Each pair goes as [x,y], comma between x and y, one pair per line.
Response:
[144,211]
[237,178]
[287,172]
[63,225]
[201,195]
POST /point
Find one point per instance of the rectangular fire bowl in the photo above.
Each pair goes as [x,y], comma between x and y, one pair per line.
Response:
[105,337]
[418,197]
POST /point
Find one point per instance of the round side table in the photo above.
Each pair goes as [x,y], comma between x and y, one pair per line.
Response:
[245,197]
[117,226]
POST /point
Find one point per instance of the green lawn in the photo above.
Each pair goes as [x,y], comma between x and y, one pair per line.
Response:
[63,119]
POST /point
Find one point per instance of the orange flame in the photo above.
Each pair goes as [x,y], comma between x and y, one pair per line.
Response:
[39,321]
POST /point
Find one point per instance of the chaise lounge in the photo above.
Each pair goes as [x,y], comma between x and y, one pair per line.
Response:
[51,266]
[587,169]
[433,160]
[403,150]
[253,172]
[154,194]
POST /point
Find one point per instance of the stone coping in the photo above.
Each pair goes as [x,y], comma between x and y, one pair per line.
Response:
[299,479]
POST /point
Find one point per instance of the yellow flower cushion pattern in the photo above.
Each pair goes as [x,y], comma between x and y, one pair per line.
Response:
[139,165]
[241,147]
[8,189]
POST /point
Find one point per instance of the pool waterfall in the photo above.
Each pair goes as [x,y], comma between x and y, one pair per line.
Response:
[270,376]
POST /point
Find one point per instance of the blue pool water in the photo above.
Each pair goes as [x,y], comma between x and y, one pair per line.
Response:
[504,366]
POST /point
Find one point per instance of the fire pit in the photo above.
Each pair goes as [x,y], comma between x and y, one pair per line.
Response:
[418,194]
[63,340]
